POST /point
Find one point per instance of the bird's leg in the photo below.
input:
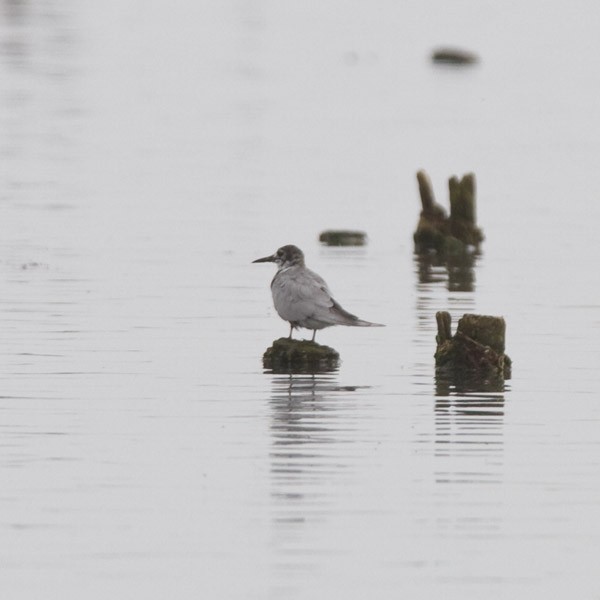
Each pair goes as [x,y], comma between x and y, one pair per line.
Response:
[291,329]
[314,333]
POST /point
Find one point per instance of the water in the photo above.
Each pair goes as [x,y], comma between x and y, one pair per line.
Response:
[150,152]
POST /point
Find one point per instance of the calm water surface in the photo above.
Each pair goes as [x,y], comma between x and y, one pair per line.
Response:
[150,152]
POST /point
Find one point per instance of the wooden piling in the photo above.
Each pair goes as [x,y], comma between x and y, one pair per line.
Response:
[477,347]
[462,198]
[431,209]
[448,235]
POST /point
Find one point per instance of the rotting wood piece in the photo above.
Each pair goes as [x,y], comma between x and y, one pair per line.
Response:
[440,233]
[300,356]
[477,346]
[343,237]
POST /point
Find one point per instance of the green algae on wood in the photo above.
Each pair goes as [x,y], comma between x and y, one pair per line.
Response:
[477,347]
[300,356]
[454,234]
[343,237]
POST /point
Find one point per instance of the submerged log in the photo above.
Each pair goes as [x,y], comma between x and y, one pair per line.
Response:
[440,233]
[454,56]
[300,356]
[477,347]
[343,237]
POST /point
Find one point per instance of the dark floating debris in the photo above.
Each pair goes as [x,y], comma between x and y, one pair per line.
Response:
[300,356]
[437,232]
[454,56]
[33,265]
[476,349]
[343,237]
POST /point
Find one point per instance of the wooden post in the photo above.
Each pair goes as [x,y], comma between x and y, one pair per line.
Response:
[462,198]
[426,192]
[445,235]
[444,325]
[477,348]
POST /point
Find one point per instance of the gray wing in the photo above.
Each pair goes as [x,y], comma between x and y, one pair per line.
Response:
[301,294]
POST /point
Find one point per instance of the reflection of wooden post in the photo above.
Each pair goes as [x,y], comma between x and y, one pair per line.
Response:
[477,348]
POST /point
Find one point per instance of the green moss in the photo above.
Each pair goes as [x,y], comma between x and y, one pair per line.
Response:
[489,331]
[300,356]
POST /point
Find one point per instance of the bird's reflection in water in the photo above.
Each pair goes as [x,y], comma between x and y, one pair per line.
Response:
[313,431]
[307,410]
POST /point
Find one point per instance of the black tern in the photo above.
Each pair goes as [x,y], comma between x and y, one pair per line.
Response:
[302,297]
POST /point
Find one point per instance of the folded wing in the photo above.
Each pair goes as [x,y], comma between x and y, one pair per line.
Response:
[301,296]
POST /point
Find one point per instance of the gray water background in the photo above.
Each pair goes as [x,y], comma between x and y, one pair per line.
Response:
[149,151]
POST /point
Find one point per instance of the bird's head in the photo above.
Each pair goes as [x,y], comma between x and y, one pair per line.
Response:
[286,256]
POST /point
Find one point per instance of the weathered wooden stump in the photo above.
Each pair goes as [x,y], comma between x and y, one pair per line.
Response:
[300,356]
[438,232]
[343,237]
[477,347]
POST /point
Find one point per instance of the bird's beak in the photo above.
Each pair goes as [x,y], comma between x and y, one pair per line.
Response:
[265,259]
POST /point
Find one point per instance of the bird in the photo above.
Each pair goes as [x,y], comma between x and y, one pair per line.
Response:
[302,297]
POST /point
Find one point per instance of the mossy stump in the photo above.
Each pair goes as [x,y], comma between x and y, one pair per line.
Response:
[343,237]
[443,234]
[476,349]
[300,356]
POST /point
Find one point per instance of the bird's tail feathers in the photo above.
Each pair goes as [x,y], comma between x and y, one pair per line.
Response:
[346,318]
[361,323]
